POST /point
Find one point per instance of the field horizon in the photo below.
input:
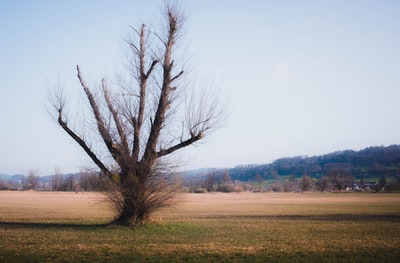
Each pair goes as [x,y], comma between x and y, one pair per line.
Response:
[223,227]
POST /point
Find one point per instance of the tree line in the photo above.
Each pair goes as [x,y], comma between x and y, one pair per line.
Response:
[211,181]
[370,169]
[83,181]
[334,180]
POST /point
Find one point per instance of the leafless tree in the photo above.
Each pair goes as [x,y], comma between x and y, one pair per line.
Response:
[323,183]
[23,183]
[305,183]
[142,122]
[92,180]
[33,179]
[260,181]
[68,183]
[340,179]
[291,184]
[210,181]
[57,180]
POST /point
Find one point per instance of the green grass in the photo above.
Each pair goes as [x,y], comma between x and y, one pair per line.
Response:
[205,228]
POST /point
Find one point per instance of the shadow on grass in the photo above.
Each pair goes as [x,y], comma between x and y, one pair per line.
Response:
[362,255]
[45,225]
[327,217]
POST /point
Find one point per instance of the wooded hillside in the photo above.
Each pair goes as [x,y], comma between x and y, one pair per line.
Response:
[371,162]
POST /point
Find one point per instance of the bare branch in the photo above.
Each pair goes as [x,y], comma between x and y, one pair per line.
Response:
[116,118]
[137,31]
[177,76]
[134,47]
[164,101]
[100,122]
[82,143]
[151,68]
[194,138]
[160,38]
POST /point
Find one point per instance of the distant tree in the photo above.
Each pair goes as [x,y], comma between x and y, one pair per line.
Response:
[323,183]
[24,185]
[393,185]
[210,182]
[361,183]
[33,179]
[290,184]
[260,181]
[225,185]
[68,183]
[226,178]
[277,186]
[305,183]
[340,179]
[144,120]
[396,182]
[3,186]
[286,186]
[57,180]
[381,184]
[226,188]
[89,181]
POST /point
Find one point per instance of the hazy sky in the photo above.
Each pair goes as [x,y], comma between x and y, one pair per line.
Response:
[298,77]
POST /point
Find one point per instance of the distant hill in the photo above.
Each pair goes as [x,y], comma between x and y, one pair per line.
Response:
[371,162]
[5,177]
[42,179]
[8,177]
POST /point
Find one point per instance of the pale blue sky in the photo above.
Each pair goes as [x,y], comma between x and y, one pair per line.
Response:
[299,77]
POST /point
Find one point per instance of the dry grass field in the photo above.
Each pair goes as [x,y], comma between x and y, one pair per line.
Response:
[237,227]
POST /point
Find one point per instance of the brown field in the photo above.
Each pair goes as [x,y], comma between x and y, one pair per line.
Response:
[236,227]
[46,207]
[88,207]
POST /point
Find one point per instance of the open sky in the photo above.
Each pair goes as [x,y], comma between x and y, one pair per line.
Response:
[298,77]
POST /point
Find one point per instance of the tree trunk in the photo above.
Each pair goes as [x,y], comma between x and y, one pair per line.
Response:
[126,217]
[134,207]
[133,212]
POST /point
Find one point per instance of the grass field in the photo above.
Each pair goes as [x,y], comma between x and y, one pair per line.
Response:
[244,227]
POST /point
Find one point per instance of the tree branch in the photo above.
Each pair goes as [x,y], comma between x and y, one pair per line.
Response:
[191,140]
[82,143]
[115,152]
[150,153]
[177,76]
[117,121]
[147,75]
[143,76]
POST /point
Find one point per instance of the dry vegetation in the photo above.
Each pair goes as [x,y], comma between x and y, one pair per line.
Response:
[311,227]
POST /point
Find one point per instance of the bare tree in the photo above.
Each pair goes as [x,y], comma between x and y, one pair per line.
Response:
[210,181]
[305,183]
[323,183]
[57,180]
[68,183]
[33,179]
[260,181]
[23,183]
[141,124]
[340,179]
[88,180]
[291,184]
